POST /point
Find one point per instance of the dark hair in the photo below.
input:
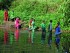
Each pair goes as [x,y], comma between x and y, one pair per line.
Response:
[17,17]
[58,23]
[31,18]
[43,21]
[50,20]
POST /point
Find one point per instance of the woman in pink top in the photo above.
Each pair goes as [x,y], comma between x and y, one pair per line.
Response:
[17,23]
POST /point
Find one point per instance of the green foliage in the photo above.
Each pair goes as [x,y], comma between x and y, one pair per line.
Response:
[65,40]
[40,10]
[5,4]
[1,16]
[67,13]
[1,0]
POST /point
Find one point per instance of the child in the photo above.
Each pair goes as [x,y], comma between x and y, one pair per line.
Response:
[5,15]
[33,30]
[50,33]
[17,23]
[57,35]
[43,27]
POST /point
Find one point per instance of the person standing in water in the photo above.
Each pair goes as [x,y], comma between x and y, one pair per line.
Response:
[33,31]
[17,23]
[57,30]
[50,33]
[30,24]
[57,35]
[43,27]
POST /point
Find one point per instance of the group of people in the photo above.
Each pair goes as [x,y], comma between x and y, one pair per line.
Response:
[43,29]
[32,28]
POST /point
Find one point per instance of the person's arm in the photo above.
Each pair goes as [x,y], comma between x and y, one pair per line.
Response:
[59,31]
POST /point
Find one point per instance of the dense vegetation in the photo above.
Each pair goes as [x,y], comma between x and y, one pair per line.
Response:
[41,10]
[5,4]
[67,13]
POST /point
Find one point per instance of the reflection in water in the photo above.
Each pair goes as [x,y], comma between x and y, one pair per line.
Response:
[11,37]
[29,37]
[5,37]
[32,36]
[16,34]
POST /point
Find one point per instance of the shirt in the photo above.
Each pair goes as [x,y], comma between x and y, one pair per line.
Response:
[43,26]
[57,30]
[33,26]
[6,15]
[50,27]
[17,23]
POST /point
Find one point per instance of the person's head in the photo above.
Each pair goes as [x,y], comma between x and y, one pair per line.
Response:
[31,18]
[5,9]
[58,24]
[43,21]
[50,21]
[12,10]
[18,18]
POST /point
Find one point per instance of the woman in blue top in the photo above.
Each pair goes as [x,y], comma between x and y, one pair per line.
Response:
[57,30]
[57,35]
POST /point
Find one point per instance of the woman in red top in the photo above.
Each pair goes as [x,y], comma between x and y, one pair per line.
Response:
[6,15]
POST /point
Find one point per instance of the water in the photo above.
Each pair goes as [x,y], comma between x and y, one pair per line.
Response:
[19,41]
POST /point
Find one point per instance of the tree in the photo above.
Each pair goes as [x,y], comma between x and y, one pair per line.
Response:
[5,4]
[67,13]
